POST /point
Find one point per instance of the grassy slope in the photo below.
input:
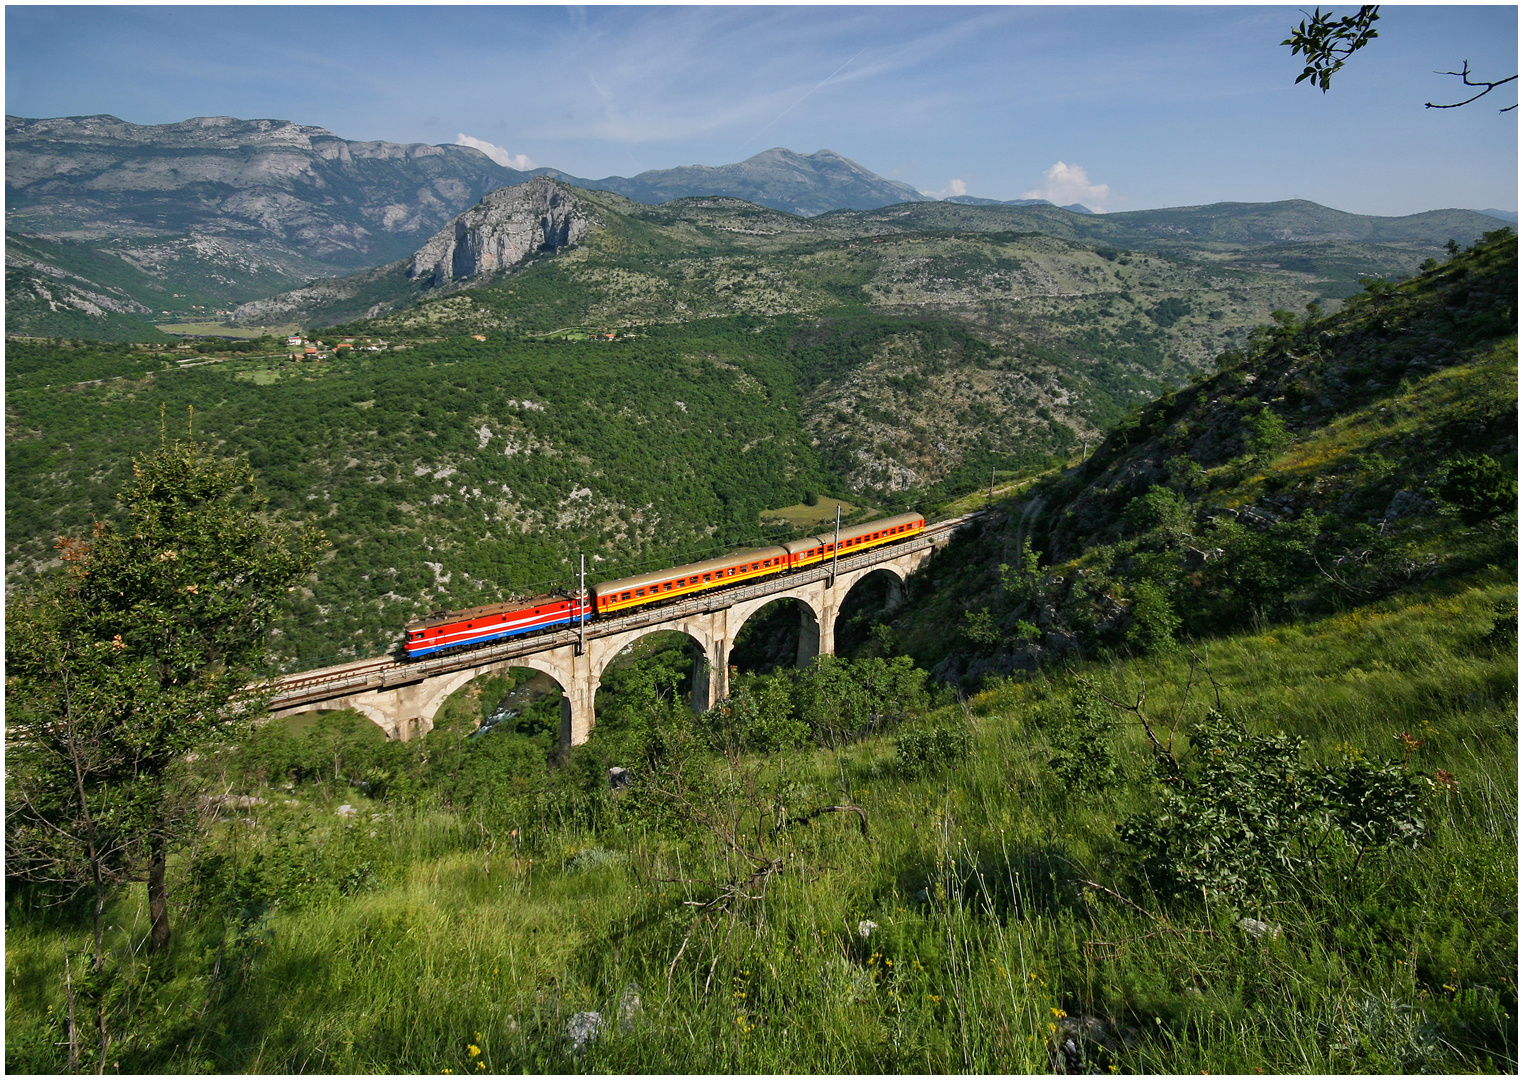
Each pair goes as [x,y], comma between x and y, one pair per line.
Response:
[976,878]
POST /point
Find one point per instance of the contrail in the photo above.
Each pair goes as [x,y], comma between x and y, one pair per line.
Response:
[800,101]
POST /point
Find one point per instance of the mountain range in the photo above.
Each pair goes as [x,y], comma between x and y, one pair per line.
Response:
[114,226]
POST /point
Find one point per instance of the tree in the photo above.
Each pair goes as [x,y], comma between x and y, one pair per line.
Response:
[1327,43]
[138,653]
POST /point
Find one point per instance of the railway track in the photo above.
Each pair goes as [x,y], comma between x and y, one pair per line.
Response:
[381,672]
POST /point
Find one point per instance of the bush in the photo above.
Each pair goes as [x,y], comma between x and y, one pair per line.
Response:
[1082,757]
[1244,818]
[981,628]
[1159,508]
[1479,488]
[496,767]
[929,750]
[1154,620]
[757,716]
[1267,435]
[1503,632]
[845,700]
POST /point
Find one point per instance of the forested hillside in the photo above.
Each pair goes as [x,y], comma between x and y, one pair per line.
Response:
[444,475]
[1332,460]
[452,471]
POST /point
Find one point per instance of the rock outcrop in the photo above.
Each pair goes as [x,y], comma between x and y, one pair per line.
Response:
[505,230]
[501,231]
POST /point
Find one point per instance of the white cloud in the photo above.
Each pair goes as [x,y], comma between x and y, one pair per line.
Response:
[520,162]
[954,187]
[1066,184]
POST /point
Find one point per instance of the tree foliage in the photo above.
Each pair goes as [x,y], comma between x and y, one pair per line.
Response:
[1479,487]
[1327,43]
[136,655]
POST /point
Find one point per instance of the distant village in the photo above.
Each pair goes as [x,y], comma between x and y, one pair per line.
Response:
[304,349]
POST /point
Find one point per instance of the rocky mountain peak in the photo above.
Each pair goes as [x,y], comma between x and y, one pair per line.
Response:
[504,229]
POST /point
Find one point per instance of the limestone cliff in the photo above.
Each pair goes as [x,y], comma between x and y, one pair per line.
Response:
[502,230]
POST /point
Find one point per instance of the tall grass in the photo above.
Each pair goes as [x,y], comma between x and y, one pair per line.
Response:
[1006,918]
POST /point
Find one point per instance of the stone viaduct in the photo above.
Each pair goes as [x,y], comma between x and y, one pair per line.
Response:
[402,697]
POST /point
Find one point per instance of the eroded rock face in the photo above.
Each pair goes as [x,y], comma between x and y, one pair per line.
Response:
[300,191]
[501,231]
[504,230]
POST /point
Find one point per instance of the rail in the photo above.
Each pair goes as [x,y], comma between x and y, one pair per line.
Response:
[383,672]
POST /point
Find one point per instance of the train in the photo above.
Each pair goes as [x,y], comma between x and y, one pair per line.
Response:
[450,630]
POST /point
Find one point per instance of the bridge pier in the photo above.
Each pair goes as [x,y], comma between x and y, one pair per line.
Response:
[577,711]
[810,636]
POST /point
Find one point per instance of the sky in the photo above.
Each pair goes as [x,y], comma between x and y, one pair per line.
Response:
[1116,107]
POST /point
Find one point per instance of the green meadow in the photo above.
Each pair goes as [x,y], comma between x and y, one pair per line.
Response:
[971,913]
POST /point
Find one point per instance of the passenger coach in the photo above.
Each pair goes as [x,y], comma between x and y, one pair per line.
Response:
[454,629]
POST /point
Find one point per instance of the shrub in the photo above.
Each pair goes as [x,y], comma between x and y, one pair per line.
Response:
[1082,757]
[1267,435]
[929,750]
[1186,475]
[1503,632]
[496,767]
[1375,805]
[844,700]
[1479,488]
[1159,508]
[757,716]
[1154,620]
[1244,817]
[981,628]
